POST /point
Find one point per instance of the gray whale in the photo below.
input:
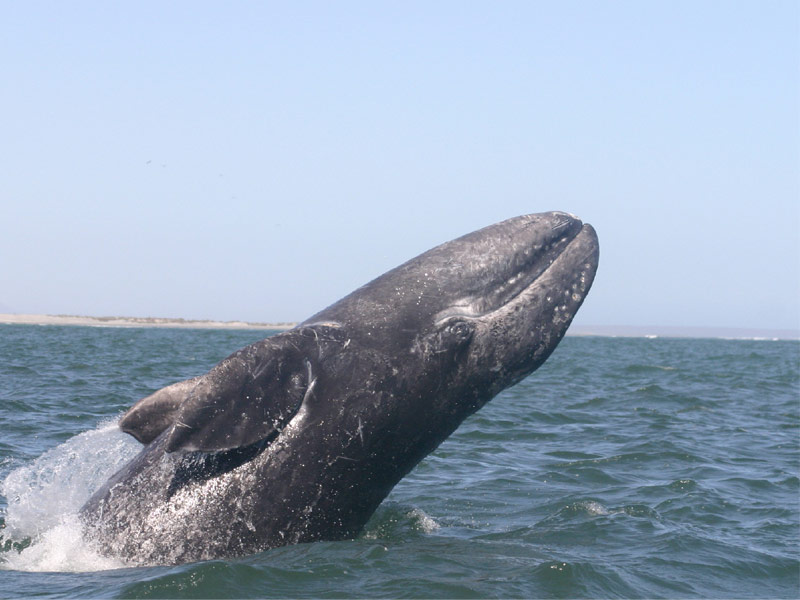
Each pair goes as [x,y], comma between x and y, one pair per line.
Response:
[299,437]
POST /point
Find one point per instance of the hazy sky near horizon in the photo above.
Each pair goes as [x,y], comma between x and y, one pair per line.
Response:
[259,160]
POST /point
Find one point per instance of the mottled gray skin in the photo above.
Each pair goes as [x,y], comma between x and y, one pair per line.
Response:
[300,437]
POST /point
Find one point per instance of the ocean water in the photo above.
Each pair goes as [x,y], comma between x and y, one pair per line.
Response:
[623,467]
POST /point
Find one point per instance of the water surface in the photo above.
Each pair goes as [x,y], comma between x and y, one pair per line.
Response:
[624,467]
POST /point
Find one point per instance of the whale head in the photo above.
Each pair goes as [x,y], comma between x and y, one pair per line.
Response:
[480,312]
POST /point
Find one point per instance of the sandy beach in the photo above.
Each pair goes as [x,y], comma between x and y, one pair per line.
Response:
[136,322]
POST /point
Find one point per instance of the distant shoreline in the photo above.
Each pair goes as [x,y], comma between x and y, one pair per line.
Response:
[576,330]
[13,319]
[665,331]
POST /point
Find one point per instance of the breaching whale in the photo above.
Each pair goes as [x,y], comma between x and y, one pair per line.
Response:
[299,437]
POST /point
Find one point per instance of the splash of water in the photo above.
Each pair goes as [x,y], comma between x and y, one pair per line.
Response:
[44,498]
[423,521]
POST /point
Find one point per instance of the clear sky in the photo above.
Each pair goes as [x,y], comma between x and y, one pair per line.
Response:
[259,160]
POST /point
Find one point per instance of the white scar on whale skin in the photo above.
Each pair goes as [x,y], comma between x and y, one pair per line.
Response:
[312,381]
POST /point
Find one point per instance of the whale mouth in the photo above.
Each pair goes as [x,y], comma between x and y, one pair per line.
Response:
[550,256]
[568,248]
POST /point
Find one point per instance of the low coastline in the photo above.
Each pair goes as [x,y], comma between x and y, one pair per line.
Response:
[84,321]
[576,330]
[666,331]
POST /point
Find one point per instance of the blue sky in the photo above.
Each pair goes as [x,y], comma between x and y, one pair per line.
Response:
[258,160]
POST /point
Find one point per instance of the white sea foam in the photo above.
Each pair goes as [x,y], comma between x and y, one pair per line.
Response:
[60,548]
[44,498]
[594,508]
[424,521]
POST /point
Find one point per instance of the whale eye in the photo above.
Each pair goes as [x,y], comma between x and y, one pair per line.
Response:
[459,330]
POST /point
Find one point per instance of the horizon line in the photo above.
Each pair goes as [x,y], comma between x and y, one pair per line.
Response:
[647,331]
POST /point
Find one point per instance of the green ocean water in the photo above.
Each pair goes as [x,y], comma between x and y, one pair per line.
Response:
[623,467]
